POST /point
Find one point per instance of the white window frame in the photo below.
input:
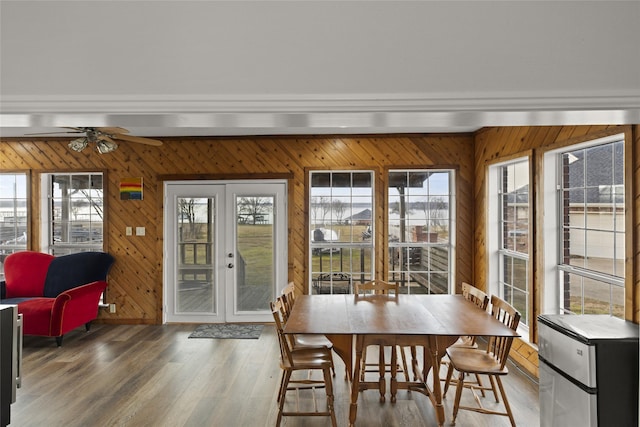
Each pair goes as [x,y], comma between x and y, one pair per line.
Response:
[552,226]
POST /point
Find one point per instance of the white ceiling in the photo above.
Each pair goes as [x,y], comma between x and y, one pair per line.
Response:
[201,68]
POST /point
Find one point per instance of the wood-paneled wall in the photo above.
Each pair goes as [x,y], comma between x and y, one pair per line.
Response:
[135,282]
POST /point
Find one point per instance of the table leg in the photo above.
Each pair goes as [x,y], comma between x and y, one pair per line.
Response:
[343,346]
[394,372]
[355,382]
[433,360]
[414,364]
[382,386]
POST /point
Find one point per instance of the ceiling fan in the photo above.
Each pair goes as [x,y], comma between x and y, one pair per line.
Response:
[103,137]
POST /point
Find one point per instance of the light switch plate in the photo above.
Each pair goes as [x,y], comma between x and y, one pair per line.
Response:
[129,231]
[140,231]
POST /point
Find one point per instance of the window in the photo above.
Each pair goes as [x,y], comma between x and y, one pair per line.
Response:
[420,230]
[589,197]
[513,235]
[13,215]
[341,210]
[74,212]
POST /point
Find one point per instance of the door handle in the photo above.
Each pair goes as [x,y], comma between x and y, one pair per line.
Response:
[230,265]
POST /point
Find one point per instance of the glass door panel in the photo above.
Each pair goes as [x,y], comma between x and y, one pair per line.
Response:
[255,242]
[195,255]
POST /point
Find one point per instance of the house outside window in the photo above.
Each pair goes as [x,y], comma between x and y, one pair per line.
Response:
[420,230]
[14,215]
[590,203]
[341,205]
[73,212]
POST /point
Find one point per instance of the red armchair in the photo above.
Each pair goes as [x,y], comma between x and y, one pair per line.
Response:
[55,294]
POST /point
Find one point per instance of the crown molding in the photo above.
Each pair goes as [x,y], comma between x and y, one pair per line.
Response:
[123,104]
[379,113]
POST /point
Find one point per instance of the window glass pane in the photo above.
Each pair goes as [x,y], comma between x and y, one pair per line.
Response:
[507,270]
[520,302]
[574,160]
[520,274]
[598,166]
[362,179]
[439,183]
[583,295]
[618,164]
[319,179]
[341,180]
[601,218]
[599,251]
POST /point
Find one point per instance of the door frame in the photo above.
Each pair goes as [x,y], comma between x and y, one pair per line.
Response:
[226,291]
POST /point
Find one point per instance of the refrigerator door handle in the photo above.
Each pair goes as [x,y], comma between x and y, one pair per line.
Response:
[19,353]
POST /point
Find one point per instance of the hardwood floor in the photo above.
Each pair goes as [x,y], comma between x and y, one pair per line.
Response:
[141,375]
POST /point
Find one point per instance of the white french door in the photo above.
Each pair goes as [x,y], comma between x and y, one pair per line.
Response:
[225,250]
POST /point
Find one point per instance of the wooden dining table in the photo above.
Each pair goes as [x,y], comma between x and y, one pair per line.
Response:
[433,322]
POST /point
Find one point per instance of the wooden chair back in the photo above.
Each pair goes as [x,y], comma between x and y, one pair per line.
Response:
[277,310]
[499,347]
[480,299]
[376,287]
[288,299]
[475,295]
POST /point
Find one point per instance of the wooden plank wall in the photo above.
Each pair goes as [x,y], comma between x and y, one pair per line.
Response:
[135,282]
[497,144]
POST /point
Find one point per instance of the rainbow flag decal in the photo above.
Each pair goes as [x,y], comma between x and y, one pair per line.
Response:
[131,189]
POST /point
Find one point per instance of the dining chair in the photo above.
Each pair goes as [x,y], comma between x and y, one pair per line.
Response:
[287,298]
[380,287]
[481,300]
[307,359]
[491,362]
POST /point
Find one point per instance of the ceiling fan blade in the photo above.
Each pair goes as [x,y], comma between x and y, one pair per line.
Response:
[54,133]
[112,130]
[137,139]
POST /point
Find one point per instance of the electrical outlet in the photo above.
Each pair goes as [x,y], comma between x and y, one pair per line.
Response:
[140,231]
[112,308]
[129,231]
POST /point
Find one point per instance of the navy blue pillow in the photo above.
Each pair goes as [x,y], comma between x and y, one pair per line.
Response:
[69,271]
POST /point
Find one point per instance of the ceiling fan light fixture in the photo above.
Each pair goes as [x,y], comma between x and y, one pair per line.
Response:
[79,144]
[105,146]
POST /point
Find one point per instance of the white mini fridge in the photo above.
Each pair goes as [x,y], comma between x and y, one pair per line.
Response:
[588,371]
